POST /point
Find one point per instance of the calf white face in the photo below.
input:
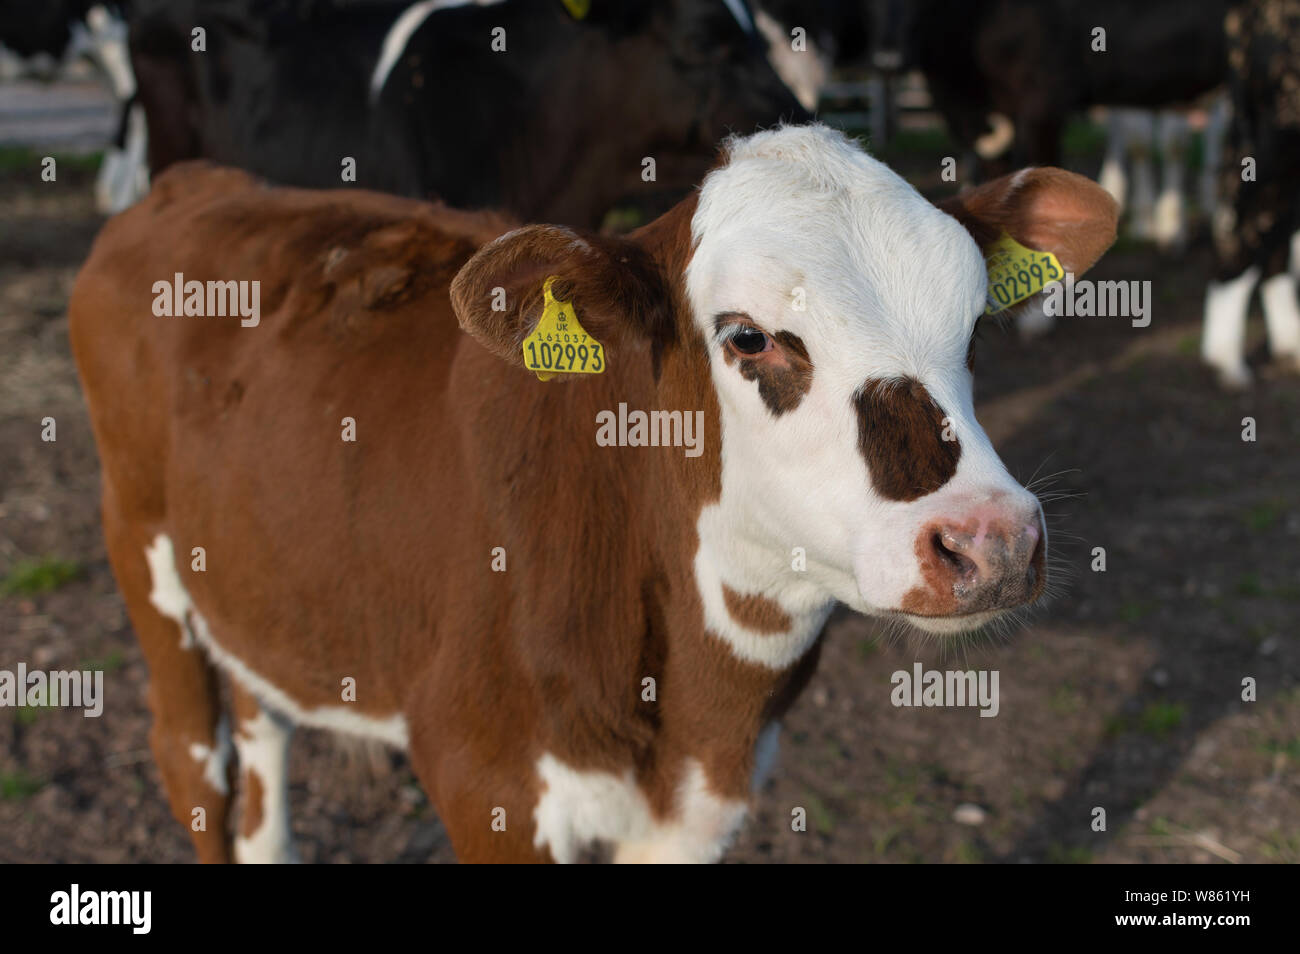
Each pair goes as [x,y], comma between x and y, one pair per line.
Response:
[838,305]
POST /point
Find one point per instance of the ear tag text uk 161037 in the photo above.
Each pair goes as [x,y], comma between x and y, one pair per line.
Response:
[559,343]
[1016,273]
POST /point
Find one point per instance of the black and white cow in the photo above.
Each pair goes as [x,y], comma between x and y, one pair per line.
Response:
[1261,186]
[30,29]
[550,110]
[1031,63]
[56,32]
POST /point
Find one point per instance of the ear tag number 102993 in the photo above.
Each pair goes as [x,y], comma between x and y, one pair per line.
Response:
[1017,272]
[559,344]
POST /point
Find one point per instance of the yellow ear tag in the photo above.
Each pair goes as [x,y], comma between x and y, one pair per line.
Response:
[578,9]
[559,344]
[1016,273]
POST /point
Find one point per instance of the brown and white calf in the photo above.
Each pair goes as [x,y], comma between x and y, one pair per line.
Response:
[808,301]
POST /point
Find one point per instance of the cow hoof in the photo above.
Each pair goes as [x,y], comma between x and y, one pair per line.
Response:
[1286,363]
[1234,379]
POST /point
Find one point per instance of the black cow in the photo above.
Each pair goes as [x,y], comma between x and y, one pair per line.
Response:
[29,28]
[1033,62]
[554,128]
[1260,182]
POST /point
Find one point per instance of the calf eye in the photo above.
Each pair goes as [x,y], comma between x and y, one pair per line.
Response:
[749,341]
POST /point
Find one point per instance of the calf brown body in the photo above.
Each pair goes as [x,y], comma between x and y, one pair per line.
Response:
[328,559]
[377,523]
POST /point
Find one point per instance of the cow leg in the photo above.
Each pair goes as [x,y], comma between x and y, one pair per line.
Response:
[1283,320]
[480,774]
[190,734]
[1282,317]
[262,740]
[704,823]
[1141,145]
[1223,345]
[1113,177]
[1169,225]
[1216,130]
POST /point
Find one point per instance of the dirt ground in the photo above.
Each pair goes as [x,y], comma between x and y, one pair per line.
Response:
[1123,693]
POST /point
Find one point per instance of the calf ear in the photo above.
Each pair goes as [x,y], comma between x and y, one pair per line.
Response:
[1048,210]
[614,284]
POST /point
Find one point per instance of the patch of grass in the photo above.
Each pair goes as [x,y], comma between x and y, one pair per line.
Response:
[967,853]
[1262,516]
[19,159]
[1189,346]
[1160,826]
[1059,854]
[1287,591]
[1290,748]
[1064,700]
[881,842]
[1161,718]
[26,715]
[820,816]
[623,219]
[1019,798]
[19,784]
[114,660]
[1248,584]
[1134,610]
[38,575]
[1282,847]
[1116,725]
[1083,138]
[922,142]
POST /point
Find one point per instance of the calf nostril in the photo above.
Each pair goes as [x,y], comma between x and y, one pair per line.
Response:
[961,565]
[1036,562]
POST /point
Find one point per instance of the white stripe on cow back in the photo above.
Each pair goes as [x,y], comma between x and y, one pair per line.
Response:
[400,33]
[170,597]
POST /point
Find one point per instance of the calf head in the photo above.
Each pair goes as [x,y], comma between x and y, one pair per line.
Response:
[830,309]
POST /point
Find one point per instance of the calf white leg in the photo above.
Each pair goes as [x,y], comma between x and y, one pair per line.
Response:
[1169,225]
[1141,146]
[124,174]
[1216,130]
[1282,317]
[1113,177]
[1223,345]
[262,743]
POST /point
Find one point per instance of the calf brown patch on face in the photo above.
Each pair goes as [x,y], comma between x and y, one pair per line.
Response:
[784,374]
[754,612]
[900,434]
